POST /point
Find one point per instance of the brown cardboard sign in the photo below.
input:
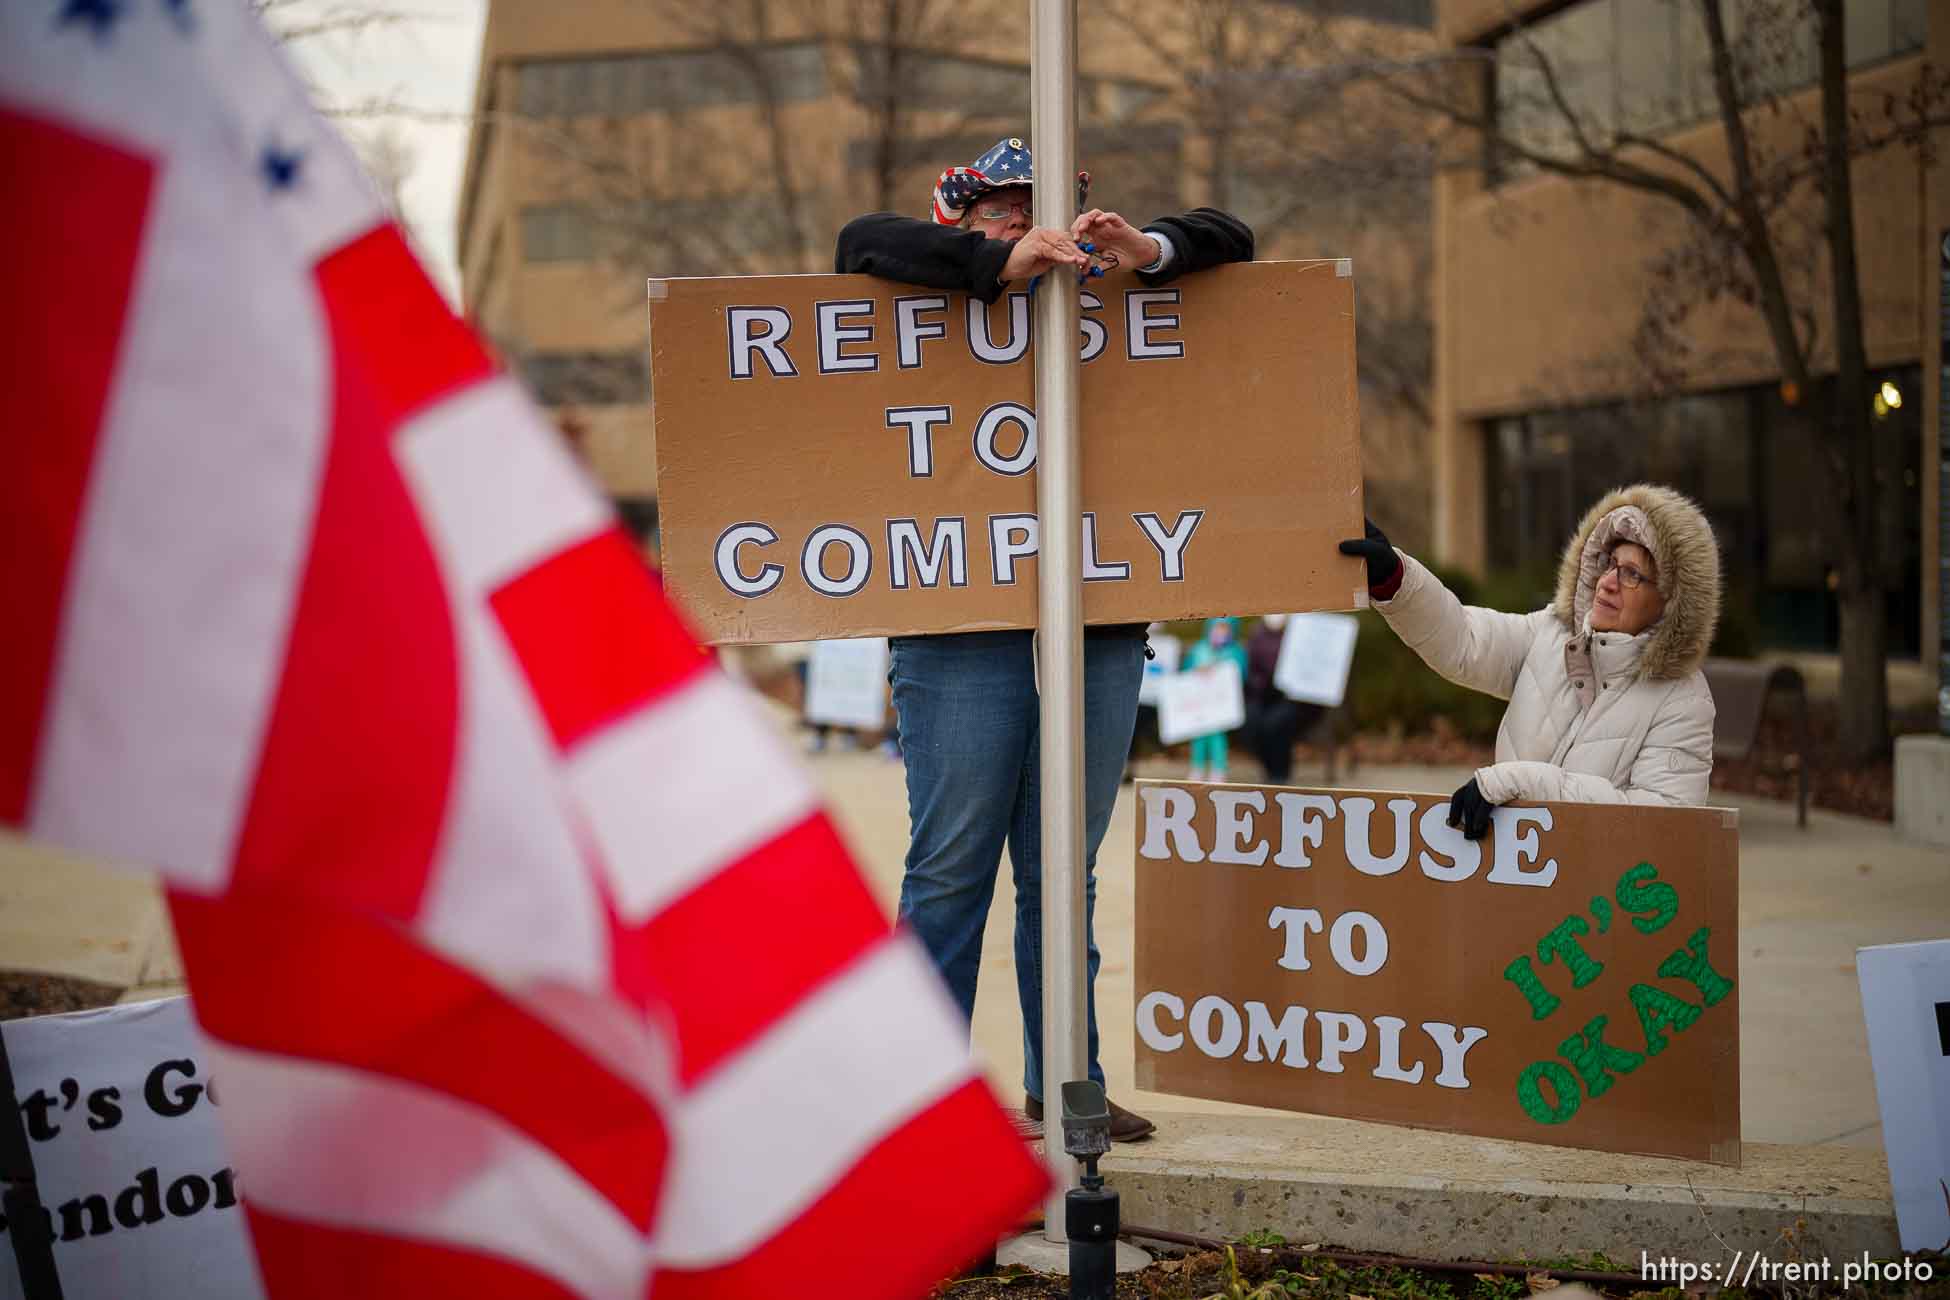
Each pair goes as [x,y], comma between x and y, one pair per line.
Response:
[841,456]
[1572,978]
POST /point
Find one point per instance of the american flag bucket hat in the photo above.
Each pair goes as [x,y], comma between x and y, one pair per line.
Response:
[1006,163]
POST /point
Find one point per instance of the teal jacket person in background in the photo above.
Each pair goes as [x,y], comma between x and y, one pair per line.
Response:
[1219,644]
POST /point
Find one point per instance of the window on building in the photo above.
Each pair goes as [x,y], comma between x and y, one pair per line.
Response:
[1885,29]
[1118,101]
[586,378]
[625,84]
[729,226]
[1402,13]
[1644,67]
[942,81]
[1544,112]
[1313,197]
[983,89]
[557,232]
[1758,467]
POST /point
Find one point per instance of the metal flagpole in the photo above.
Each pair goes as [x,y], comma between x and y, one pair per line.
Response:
[1053,143]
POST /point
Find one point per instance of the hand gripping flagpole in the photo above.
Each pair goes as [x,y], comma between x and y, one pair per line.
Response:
[1052,130]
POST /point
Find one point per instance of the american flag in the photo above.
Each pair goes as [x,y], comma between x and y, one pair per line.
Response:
[531,962]
[1006,163]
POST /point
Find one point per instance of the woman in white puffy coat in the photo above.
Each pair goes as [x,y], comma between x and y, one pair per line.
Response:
[1607,700]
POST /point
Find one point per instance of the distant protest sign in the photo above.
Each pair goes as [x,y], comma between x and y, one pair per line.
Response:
[840,456]
[1204,701]
[1159,666]
[846,683]
[119,1109]
[1572,978]
[1316,651]
[1906,1005]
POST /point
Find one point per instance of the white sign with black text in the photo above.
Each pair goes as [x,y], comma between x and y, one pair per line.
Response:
[1906,1002]
[1202,702]
[119,1109]
[846,683]
[1316,652]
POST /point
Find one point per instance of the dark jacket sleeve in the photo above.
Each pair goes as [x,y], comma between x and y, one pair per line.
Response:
[1201,239]
[1262,658]
[913,251]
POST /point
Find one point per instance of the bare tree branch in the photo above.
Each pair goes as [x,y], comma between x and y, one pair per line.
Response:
[1700,172]
[1755,236]
[303,20]
[1596,164]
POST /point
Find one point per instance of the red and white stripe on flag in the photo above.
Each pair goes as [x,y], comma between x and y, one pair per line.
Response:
[533,964]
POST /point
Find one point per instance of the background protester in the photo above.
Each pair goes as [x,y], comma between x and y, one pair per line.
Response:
[1607,700]
[967,703]
[818,734]
[1274,720]
[1218,645]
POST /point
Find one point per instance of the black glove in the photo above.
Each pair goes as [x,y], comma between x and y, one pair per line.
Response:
[1374,548]
[1471,811]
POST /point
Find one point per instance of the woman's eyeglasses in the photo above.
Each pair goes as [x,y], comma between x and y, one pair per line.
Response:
[1629,576]
[992,209]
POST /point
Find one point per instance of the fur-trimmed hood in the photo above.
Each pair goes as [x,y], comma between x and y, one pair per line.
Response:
[1675,530]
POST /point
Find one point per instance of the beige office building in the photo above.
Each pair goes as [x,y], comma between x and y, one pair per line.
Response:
[1549,387]
[622,139]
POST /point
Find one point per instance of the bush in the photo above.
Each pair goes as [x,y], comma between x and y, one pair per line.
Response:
[1738,636]
[1391,690]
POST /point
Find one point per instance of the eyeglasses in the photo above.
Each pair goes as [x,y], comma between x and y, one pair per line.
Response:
[993,209]
[1629,576]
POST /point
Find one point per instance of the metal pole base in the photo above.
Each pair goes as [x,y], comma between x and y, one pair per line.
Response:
[1033,1251]
[1090,1222]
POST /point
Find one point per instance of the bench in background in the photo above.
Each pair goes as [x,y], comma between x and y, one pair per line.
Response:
[1742,692]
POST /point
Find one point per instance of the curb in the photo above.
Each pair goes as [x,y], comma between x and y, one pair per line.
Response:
[1370,1187]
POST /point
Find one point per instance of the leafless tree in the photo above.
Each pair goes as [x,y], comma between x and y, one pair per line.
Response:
[337,25]
[888,59]
[389,160]
[303,20]
[1288,131]
[1748,240]
[778,120]
[692,189]
[1211,49]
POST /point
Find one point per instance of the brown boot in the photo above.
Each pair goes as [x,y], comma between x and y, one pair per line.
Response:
[1125,1125]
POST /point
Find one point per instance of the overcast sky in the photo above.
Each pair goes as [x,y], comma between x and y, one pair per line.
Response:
[424,63]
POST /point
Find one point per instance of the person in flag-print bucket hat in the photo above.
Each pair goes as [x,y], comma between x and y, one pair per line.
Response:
[1006,165]
[967,702]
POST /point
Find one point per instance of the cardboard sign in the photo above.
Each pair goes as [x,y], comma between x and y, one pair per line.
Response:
[846,683]
[1571,979]
[128,1157]
[1201,702]
[1906,1002]
[1316,651]
[1166,651]
[841,456]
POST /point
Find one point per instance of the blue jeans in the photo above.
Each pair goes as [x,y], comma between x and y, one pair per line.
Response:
[968,712]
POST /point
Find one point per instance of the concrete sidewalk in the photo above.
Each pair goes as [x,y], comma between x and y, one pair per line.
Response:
[1808,900]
